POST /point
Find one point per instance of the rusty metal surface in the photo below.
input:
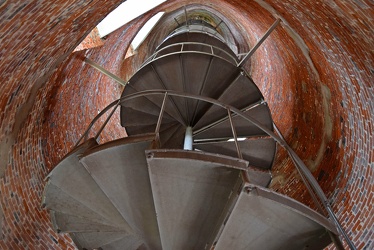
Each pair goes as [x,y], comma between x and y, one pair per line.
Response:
[191,191]
[262,219]
[120,169]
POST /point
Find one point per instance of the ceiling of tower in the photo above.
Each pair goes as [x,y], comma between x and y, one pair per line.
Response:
[315,71]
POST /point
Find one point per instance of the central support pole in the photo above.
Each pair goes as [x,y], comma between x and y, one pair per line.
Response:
[188,139]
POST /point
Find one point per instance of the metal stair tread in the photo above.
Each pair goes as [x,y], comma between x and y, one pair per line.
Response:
[58,200]
[68,223]
[242,92]
[148,78]
[259,152]
[279,222]
[127,243]
[145,129]
[142,104]
[243,127]
[73,179]
[94,240]
[176,140]
[190,191]
[120,169]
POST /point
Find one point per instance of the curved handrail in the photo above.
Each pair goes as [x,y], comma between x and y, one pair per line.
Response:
[182,49]
[299,164]
[193,28]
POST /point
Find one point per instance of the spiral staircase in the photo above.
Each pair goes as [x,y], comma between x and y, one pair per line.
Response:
[193,171]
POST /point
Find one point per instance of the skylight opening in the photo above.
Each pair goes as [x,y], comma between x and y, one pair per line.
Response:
[145,30]
[238,139]
[124,13]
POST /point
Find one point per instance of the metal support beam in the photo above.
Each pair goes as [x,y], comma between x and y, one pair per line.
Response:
[218,24]
[186,16]
[106,121]
[158,126]
[251,106]
[105,72]
[258,44]
[240,156]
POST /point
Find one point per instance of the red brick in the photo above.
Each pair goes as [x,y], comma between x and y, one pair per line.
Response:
[338,38]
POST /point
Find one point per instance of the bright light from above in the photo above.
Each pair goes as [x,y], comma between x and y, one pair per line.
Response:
[238,139]
[124,13]
[145,30]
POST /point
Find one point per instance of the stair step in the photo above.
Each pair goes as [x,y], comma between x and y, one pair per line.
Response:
[70,180]
[196,68]
[147,78]
[57,200]
[146,129]
[262,219]
[68,223]
[94,240]
[243,127]
[259,152]
[170,72]
[199,74]
[261,178]
[175,138]
[142,104]
[127,243]
[221,74]
[190,191]
[147,119]
[134,111]
[168,133]
[241,93]
[120,169]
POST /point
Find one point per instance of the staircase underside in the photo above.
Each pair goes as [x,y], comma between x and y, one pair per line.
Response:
[146,192]
[125,195]
[195,71]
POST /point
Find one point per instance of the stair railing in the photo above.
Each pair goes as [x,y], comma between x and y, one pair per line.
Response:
[311,183]
[180,48]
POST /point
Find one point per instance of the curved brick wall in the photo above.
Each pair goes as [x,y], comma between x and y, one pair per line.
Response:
[316,72]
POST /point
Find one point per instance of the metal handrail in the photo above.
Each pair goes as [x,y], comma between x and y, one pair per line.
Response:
[182,50]
[299,164]
[191,29]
